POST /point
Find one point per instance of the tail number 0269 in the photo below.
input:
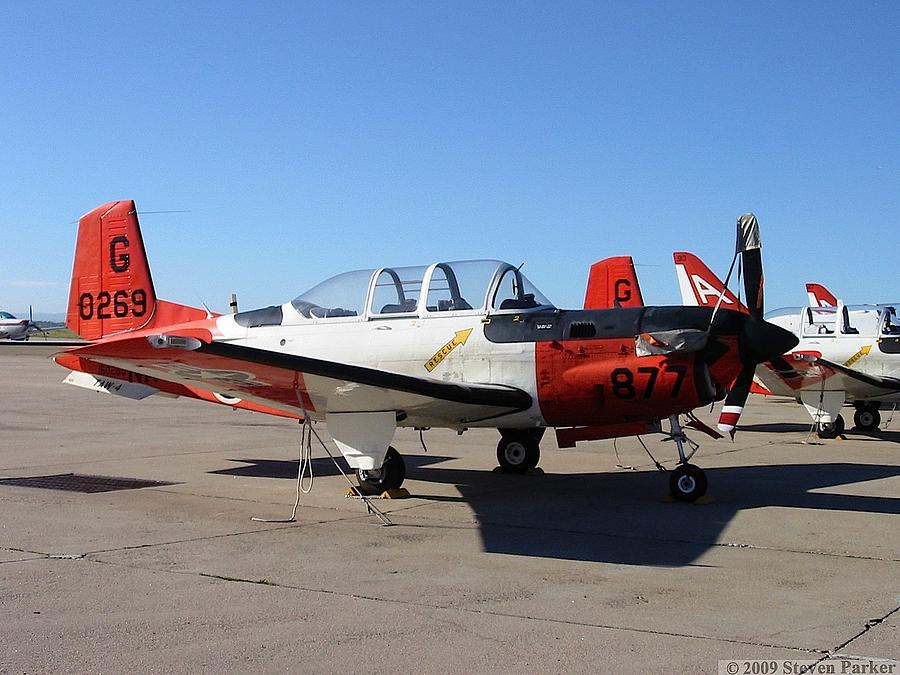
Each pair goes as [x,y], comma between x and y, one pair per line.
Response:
[106,305]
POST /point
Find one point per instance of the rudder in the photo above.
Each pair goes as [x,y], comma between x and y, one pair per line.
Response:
[819,296]
[700,286]
[612,282]
[112,290]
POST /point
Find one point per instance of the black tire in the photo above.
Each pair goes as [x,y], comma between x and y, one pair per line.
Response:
[518,452]
[389,477]
[832,430]
[867,419]
[687,483]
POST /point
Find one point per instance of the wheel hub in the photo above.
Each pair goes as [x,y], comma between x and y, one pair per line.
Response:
[687,484]
[515,453]
[371,474]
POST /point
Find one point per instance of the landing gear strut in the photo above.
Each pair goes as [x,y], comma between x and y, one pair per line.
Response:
[830,429]
[866,417]
[389,477]
[519,450]
[687,482]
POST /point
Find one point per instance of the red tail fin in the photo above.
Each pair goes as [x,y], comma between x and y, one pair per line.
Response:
[112,291]
[698,284]
[613,283]
[819,296]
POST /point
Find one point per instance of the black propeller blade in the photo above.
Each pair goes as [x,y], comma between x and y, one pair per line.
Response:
[759,341]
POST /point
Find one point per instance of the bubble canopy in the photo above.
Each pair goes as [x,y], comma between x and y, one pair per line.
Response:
[470,286]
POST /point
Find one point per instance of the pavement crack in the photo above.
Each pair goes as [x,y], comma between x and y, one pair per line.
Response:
[220,577]
[466,610]
[869,625]
[32,555]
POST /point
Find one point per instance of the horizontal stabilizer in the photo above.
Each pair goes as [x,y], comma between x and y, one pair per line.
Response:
[108,385]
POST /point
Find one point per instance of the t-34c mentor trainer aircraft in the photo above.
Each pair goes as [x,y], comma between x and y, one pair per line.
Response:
[451,344]
[846,353]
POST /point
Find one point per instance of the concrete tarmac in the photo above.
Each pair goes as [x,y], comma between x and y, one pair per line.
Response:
[585,566]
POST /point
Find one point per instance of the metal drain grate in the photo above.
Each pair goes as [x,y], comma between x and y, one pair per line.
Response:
[76,482]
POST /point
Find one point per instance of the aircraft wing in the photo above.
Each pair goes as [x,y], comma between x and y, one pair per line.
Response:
[886,383]
[300,384]
[814,372]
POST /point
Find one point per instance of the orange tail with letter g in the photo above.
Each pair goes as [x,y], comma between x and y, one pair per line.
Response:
[112,290]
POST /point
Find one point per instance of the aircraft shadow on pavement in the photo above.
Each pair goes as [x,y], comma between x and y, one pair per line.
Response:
[780,427]
[322,466]
[777,427]
[625,517]
[619,517]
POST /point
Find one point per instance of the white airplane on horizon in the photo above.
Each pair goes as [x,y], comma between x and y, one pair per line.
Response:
[846,354]
[12,328]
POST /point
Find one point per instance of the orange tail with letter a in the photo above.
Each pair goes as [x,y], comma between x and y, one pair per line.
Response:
[700,286]
[819,296]
[112,290]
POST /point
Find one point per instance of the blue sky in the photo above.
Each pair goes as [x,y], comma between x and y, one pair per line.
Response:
[310,138]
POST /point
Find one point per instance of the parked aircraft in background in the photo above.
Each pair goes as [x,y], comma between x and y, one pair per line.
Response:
[450,344]
[12,328]
[819,296]
[846,354]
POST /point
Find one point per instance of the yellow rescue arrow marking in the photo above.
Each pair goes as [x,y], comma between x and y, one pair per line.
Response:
[459,338]
[858,355]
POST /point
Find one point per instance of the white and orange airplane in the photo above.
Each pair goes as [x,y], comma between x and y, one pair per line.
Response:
[845,355]
[450,344]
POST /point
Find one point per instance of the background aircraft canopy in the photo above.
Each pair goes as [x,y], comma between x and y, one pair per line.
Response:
[866,320]
[468,285]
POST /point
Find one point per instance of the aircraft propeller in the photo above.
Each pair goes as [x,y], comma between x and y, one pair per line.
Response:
[32,326]
[759,340]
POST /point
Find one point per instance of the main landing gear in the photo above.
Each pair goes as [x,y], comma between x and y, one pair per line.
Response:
[389,477]
[519,450]
[866,417]
[830,429]
[687,482]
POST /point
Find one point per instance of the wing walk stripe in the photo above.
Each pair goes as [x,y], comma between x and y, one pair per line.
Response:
[458,393]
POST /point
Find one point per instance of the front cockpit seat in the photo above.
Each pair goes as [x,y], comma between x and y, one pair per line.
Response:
[408,305]
[452,305]
[525,302]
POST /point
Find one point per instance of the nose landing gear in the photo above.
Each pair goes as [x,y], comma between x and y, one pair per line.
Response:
[687,482]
